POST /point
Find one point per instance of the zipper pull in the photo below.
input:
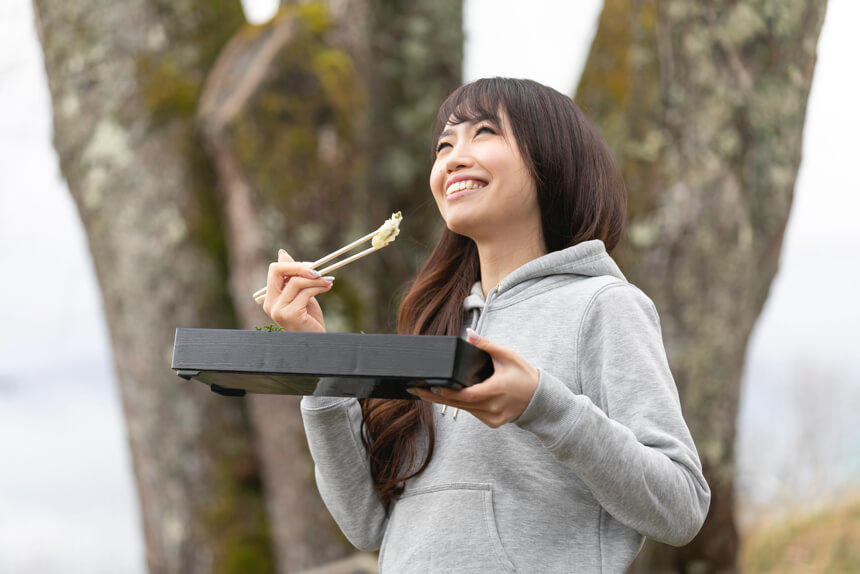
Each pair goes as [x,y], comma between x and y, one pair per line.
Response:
[499,286]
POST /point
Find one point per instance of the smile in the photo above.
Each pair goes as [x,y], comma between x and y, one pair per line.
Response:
[461,188]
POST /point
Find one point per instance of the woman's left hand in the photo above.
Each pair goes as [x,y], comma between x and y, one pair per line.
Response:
[500,398]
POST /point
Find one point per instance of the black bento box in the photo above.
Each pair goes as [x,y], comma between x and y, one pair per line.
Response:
[235,361]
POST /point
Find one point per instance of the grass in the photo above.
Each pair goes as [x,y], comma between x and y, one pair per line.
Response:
[827,541]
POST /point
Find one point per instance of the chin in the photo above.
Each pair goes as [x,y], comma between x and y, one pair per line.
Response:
[462,226]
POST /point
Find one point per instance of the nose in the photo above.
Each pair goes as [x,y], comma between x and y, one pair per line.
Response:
[459,157]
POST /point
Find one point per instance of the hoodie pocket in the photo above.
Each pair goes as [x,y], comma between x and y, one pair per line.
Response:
[450,528]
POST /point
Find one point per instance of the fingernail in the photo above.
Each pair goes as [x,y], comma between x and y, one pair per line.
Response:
[315,273]
[329,278]
[281,252]
[435,390]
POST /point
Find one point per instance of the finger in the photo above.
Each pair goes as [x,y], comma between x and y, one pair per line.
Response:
[284,256]
[443,400]
[304,296]
[275,283]
[295,285]
[494,349]
[284,270]
[296,313]
[275,280]
[472,394]
[293,268]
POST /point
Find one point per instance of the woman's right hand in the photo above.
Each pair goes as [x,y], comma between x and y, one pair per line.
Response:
[290,291]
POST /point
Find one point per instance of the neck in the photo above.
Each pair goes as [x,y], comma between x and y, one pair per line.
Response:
[502,255]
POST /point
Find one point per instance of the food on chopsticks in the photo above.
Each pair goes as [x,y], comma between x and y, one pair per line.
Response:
[383,235]
[388,231]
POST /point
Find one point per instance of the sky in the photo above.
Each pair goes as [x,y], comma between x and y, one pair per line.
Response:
[65,479]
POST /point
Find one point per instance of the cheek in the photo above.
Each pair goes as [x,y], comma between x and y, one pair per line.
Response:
[436,181]
[519,184]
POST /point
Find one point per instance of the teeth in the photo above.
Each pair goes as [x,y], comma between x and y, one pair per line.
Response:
[466,184]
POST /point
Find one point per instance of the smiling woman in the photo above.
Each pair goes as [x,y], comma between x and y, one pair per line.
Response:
[575,448]
[478,160]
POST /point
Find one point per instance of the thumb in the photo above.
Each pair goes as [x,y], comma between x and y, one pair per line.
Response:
[483,343]
[284,256]
[499,353]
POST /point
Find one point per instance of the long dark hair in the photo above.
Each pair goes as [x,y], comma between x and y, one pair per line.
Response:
[581,196]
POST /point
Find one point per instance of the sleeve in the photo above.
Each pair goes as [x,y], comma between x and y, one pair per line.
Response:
[634,450]
[341,468]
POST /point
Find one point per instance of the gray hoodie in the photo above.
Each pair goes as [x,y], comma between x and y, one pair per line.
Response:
[600,458]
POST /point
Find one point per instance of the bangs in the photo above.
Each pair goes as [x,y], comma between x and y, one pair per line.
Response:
[474,102]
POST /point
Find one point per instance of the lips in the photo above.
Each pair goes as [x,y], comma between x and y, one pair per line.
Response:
[462,184]
[462,177]
[463,192]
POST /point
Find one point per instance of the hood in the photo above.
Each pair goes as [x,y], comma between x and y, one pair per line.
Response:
[587,258]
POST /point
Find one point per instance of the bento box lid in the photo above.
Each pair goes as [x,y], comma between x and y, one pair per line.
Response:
[234,362]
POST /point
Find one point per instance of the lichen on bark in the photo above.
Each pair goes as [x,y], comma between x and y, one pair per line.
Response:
[121,96]
[703,106]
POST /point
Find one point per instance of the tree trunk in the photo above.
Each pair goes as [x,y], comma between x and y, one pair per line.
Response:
[308,135]
[703,105]
[288,114]
[124,78]
[270,84]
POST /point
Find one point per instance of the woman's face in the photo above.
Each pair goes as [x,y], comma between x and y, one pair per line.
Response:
[505,203]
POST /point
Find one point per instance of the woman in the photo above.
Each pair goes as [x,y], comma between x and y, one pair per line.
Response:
[575,449]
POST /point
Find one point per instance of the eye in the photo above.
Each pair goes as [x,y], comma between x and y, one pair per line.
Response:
[479,130]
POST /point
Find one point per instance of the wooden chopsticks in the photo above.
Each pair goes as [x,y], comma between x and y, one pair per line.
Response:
[384,235]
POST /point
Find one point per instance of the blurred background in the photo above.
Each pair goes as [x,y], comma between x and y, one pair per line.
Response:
[129,133]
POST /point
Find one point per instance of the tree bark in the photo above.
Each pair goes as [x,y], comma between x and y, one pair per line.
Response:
[124,78]
[703,104]
[272,64]
[288,114]
[308,135]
